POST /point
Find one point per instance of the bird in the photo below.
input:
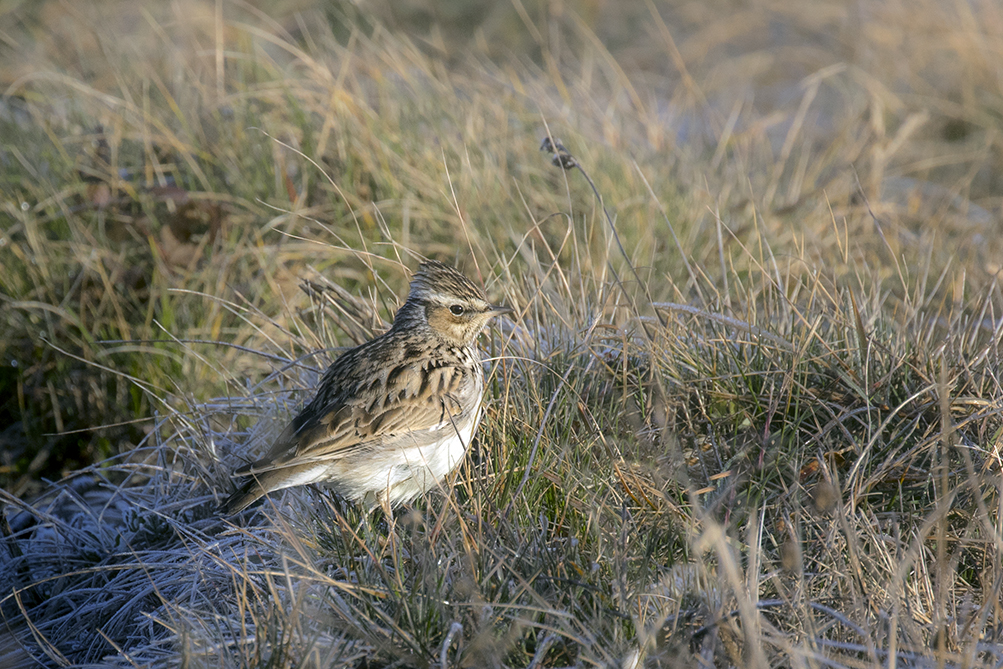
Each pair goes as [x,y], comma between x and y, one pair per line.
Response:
[394,416]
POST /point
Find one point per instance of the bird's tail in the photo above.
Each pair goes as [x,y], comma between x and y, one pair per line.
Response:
[262,481]
[250,492]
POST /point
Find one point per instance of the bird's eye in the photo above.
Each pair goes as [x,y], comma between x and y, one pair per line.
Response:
[456,309]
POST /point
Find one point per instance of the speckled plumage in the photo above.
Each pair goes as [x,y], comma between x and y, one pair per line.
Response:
[393,416]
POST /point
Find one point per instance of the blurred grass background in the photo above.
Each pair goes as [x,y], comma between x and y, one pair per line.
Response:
[825,173]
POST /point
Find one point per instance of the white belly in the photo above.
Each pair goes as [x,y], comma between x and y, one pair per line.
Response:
[430,464]
[401,474]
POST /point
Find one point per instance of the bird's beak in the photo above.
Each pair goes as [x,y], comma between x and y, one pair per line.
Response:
[499,310]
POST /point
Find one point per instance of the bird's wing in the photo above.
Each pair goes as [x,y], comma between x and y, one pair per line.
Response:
[414,399]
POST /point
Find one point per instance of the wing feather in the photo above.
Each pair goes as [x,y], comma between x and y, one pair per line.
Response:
[406,407]
[419,398]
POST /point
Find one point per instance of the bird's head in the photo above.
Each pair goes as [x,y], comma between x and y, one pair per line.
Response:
[451,305]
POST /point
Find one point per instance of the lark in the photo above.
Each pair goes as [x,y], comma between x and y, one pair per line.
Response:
[394,416]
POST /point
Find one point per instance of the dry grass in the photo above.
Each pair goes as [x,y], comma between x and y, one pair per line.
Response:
[747,412]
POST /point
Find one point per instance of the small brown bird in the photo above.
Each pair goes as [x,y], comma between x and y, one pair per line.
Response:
[394,416]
